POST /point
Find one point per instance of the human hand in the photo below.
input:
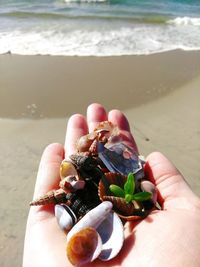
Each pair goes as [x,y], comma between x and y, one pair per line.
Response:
[167,237]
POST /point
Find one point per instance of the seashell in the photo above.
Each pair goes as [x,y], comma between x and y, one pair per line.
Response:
[149,187]
[120,158]
[101,133]
[108,179]
[120,205]
[107,129]
[72,183]
[110,230]
[127,211]
[65,217]
[93,218]
[108,227]
[85,142]
[84,246]
[84,235]
[51,197]
[67,168]
[83,162]
[82,201]
[80,208]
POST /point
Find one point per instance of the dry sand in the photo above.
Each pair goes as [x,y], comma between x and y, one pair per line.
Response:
[160,94]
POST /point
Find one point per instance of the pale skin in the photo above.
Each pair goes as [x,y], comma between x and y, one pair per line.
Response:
[167,237]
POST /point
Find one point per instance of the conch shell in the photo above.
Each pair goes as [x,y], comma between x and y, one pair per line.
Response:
[51,197]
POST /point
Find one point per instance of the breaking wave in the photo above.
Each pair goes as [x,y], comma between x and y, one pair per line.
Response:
[185,21]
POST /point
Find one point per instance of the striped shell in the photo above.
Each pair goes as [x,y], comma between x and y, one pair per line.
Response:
[108,179]
[51,197]
[128,211]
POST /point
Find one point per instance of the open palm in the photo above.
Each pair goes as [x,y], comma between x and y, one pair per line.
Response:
[167,237]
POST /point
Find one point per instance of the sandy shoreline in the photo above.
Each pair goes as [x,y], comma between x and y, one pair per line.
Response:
[159,94]
[46,86]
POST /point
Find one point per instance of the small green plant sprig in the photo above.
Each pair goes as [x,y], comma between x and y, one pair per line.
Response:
[128,191]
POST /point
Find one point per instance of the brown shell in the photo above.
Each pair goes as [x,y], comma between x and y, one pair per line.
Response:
[133,217]
[131,211]
[104,126]
[51,197]
[84,142]
[108,179]
[120,204]
[82,246]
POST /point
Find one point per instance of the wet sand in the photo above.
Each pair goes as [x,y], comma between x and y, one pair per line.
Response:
[159,94]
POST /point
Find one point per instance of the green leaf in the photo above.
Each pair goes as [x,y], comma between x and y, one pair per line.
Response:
[129,186]
[128,198]
[116,190]
[142,196]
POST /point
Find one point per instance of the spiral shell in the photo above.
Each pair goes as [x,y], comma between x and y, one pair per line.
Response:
[51,197]
[83,162]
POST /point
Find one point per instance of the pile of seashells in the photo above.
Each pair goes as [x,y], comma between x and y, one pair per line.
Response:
[102,186]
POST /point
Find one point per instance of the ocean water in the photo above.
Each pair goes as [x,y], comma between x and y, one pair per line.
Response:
[98,27]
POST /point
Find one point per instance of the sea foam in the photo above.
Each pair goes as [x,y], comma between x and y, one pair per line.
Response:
[126,40]
[185,21]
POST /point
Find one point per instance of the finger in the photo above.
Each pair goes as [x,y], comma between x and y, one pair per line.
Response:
[76,127]
[95,114]
[173,190]
[47,179]
[48,174]
[120,120]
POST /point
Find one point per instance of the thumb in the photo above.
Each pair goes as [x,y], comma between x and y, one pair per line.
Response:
[173,190]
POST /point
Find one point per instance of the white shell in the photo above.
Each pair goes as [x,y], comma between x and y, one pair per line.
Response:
[96,252]
[109,228]
[92,219]
[72,182]
[65,217]
[76,184]
[111,232]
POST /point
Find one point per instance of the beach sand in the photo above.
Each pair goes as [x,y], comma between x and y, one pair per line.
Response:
[159,93]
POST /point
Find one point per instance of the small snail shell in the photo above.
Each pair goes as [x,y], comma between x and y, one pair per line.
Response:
[85,142]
